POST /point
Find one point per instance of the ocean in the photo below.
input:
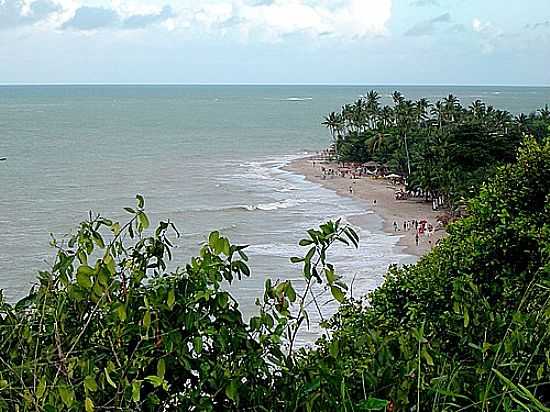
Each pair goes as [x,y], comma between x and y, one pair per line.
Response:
[207,157]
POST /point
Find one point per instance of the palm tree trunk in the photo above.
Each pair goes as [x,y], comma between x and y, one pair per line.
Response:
[408,158]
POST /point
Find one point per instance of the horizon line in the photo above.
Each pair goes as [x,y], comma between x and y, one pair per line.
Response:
[274,84]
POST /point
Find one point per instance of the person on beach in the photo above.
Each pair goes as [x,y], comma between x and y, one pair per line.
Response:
[395,226]
[416,238]
[351,190]
[374,202]
[404,226]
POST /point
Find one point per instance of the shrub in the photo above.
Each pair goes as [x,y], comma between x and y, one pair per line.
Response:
[455,330]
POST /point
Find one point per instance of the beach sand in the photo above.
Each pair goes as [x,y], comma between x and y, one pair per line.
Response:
[387,208]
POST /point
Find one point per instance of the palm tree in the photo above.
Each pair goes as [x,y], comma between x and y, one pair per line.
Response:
[331,123]
[373,107]
[397,98]
[376,141]
[359,115]
[521,121]
[438,111]
[334,123]
[405,117]
[452,107]
[422,107]
[386,116]
[545,113]
[348,117]
[477,109]
[503,119]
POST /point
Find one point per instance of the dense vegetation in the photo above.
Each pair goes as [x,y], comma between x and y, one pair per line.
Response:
[466,328]
[444,149]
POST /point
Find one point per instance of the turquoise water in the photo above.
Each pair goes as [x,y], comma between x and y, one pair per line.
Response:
[208,157]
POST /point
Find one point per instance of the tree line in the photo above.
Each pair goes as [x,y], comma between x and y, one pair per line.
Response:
[444,149]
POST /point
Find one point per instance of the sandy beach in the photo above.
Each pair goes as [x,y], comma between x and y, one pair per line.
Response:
[387,208]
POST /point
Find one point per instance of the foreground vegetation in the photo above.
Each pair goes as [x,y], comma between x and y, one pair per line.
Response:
[466,328]
[444,149]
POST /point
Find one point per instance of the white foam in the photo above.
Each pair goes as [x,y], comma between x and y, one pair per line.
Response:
[297,99]
[283,204]
[290,99]
[287,189]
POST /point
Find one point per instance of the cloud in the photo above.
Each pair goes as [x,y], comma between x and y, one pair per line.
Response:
[275,19]
[539,25]
[457,28]
[91,18]
[94,18]
[143,20]
[489,35]
[262,2]
[421,3]
[267,20]
[477,25]
[428,27]
[14,13]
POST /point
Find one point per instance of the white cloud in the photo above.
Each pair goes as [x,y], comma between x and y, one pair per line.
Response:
[212,15]
[363,17]
[489,35]
[477,25]
[273,19]
[17,13]
[269,20]
[350,18]
[428,27]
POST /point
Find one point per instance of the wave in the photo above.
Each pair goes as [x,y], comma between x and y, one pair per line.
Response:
[253,176]
[297,99]
[290,99]
[287,189]
[282,204]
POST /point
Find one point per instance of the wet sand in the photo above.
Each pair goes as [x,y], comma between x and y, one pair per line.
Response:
[387,208]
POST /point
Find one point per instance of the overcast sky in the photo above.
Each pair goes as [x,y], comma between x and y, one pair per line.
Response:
[501,42]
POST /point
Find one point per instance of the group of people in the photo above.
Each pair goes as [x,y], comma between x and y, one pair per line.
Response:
[352,173]
[328,172]
[422,228]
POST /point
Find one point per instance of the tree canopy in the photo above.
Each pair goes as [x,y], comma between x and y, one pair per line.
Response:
[444,149]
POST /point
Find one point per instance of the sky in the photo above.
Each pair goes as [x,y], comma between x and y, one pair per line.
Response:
[375,42]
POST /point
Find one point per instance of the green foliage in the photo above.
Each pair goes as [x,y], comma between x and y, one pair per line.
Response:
[109,328]
[444,149]
[468,327]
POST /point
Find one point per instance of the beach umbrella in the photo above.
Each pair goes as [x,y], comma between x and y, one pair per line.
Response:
[423,222]
[393,176]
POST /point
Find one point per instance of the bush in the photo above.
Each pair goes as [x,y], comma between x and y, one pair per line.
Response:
[455,330]
[122,333]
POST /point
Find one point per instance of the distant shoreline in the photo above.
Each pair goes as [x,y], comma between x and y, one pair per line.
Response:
[387,208]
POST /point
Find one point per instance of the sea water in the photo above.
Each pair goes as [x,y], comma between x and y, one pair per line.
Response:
[206,157]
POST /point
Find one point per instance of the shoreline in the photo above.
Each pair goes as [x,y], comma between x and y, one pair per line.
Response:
[367,190]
